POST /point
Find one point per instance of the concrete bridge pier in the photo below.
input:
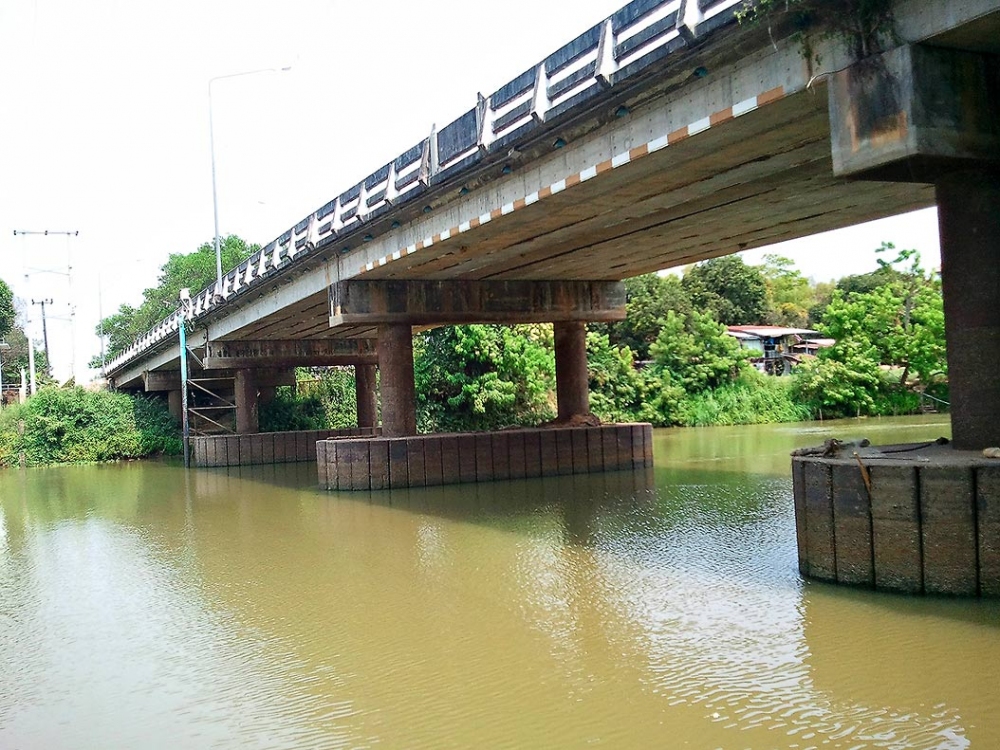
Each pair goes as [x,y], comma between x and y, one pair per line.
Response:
[247,404]
[922,518]
[572,391]
[399,394]
[366,395]
[401,458]
[969,224]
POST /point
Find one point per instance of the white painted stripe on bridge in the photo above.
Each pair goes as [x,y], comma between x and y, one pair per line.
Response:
[619,160]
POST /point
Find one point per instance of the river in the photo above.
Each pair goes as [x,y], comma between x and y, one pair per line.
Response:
[144,607]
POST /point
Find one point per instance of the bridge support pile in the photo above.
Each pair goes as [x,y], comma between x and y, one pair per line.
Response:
[930,524]
[401,458]
[431,460]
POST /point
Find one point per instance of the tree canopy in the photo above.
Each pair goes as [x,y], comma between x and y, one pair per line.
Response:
[7,313]
[483,377]
[195,271]
[727,287]
[648,299]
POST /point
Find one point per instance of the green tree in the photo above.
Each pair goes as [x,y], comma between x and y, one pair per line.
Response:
[648,298]
[695,353]
[618,391]
[733,292]
[899,324]
[790,296]
[7,314]
[483,377]
[16,358]
[194,271]
[903,320]
[841,382]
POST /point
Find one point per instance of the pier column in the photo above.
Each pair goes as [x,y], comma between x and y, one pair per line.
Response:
[399,397]
[246,402]
[174,404]
[572,392]
[364,385]
[969,225]
[266,394]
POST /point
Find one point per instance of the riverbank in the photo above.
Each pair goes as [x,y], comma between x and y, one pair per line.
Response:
[74,425]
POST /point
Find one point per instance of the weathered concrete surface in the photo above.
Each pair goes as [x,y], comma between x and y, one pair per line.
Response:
[421,302]
[247,407]
[430,460]
[285,354]
[572,386]
[969,224]
[263,447]
[366,395]
[915,113]
[174,404]
[399,397]
[929,523]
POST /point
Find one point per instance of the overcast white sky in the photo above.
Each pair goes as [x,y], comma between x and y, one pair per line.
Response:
[104,127]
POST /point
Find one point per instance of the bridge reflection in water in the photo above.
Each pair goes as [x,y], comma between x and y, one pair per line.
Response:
[629,608]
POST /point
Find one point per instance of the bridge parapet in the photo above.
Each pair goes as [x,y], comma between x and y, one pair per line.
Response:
[609,56]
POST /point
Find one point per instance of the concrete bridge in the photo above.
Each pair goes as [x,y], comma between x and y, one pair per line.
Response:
[663,135]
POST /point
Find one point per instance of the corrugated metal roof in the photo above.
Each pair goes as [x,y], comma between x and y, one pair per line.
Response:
[775,332]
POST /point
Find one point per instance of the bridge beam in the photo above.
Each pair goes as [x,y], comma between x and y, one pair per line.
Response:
[456,301]
[293,353]
[929,115]
[170,380]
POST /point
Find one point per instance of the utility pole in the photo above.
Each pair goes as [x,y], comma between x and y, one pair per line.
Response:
[45,330]
[68,273]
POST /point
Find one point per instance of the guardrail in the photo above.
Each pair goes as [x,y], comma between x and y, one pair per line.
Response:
[638,35]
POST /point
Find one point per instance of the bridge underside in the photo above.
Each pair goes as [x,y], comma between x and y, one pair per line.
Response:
[739,185]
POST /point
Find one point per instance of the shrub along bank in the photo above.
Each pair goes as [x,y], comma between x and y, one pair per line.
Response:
[74,425]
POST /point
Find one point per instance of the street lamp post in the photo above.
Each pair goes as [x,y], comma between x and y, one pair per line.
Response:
[211,139]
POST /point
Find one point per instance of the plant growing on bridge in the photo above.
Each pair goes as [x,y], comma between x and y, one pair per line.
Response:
[866,26]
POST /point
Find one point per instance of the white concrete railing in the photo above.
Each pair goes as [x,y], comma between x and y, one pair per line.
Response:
[636,36]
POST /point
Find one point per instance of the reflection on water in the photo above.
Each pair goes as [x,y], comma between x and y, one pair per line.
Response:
[662,608]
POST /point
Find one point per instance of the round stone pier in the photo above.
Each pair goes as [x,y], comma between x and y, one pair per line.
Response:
[906,518]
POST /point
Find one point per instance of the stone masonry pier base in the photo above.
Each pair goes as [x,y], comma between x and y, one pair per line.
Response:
[264,447]
[430,460]
[917,520]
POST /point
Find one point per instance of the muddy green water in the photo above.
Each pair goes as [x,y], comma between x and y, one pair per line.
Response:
[144,608]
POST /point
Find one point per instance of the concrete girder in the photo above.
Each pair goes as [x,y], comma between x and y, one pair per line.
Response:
[915,113]
[296,353]
[170,380]
[424,302]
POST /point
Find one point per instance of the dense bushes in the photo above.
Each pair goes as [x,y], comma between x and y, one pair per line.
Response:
[754,398]
[326,401]
[483,377]
[70,425]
